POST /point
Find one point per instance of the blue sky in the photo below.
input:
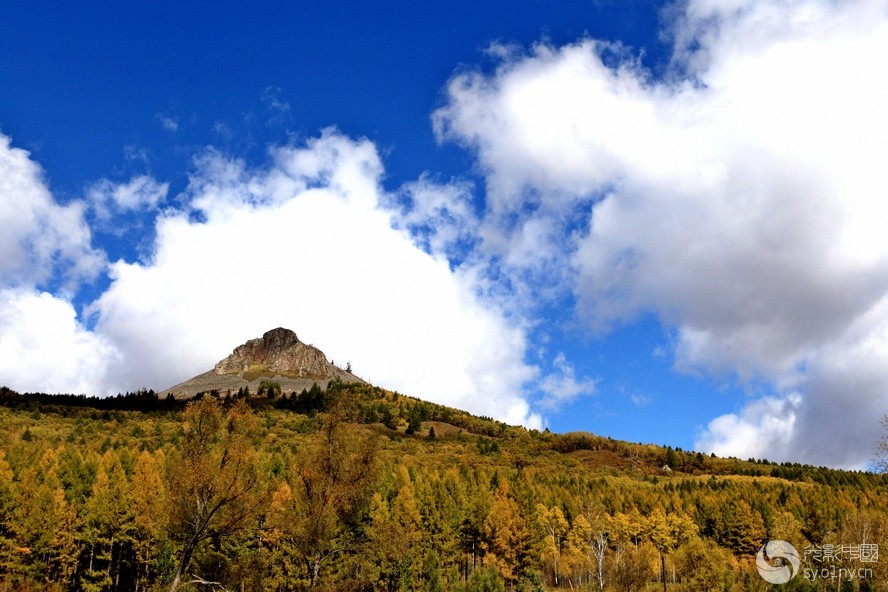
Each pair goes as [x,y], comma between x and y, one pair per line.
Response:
[660,222]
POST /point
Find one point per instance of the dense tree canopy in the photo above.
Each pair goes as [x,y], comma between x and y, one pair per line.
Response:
[346,489]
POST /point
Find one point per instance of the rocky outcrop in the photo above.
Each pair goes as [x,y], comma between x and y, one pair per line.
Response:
[278,352]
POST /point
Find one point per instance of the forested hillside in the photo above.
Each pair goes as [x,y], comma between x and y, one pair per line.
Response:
[358,488]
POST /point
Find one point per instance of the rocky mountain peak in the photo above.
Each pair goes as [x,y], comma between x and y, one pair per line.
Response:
[279,352]
[278,356]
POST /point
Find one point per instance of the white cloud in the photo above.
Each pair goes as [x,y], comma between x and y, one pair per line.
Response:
[562,386]
[740,199]
[439,216]
[40,240]
[303,243]
[167,122]
[141,193]
[833,417]
[43,348]
[552,126]
[639,399]
[762,430]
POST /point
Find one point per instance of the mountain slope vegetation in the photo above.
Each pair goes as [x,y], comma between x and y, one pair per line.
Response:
[359,488]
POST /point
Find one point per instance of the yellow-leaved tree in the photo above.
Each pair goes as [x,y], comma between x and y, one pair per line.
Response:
[554,527]
[316,514]
[214,484]
[504,535]
[667,532]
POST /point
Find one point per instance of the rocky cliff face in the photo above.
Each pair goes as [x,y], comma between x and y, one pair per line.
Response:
[279,352]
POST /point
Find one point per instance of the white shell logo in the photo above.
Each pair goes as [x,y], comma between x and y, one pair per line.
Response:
[782,570]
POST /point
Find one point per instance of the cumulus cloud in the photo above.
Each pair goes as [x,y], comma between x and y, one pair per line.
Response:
[740,198]
[842,395]
[42,240]
[766,425]
[44,348]
[303,243]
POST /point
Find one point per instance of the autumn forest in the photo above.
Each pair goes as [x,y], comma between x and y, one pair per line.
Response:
[359,488]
